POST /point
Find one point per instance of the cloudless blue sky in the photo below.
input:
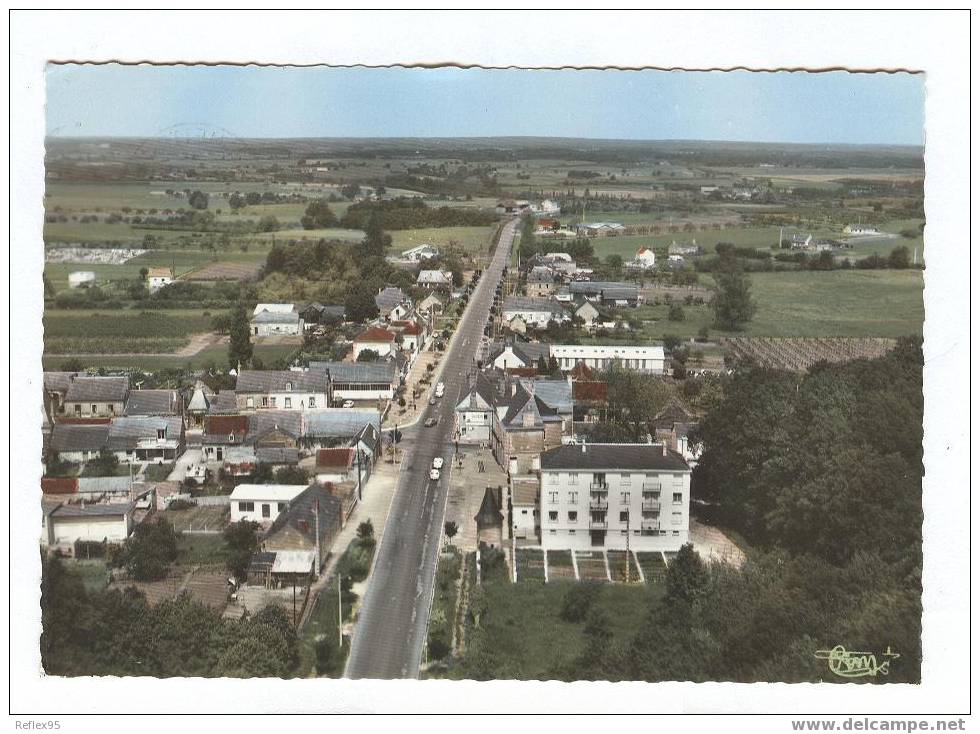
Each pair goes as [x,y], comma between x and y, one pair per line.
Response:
[798,107]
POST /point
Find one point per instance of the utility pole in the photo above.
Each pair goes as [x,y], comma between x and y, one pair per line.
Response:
[340,614]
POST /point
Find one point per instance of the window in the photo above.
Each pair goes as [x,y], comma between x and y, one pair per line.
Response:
[552,532]
[552,479]
[624,532]
[675,518]
[624,516]
[312,401]
[553,498]
[599,479]
[266,511]
[246,507]
[675,533]
[78,409]
[112,408]
[161,434]
[625,480]
[573,498]
[289,387]
[573,478]
[281,507]
[523,512]
[265,401]
[678,497]
[249,402]
[571,532]
[289,402]
[231,438]
[272,401]
[624,498]
[95,409]
[572,516]
[553,516]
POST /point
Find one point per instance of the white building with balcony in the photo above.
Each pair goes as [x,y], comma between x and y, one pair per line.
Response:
[608,496]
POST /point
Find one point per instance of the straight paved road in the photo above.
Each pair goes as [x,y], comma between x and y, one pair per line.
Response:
[391,628]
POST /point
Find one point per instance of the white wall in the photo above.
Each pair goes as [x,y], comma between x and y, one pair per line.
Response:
[67,530]
[473,426]
[297,401]
[277,329]
[240,510]
[600,356]
[524,521]
[383,348]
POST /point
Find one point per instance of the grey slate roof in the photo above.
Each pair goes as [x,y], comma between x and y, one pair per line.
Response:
[273,317]
[103,484]
[223,403]
[523,402]
[389,297]
[299,515]
[125,432]
[613,457]
[358,372]
[58,381]
[595,287]
[277,455]
[98,390]
[265,381]
[556,394]
[524,303]
[112,509]
[69,437]
[489,514]
[623,293]
[337,423]
[528,352]
[261,423]
[151,402]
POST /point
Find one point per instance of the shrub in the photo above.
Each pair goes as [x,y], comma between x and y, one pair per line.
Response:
[578,601]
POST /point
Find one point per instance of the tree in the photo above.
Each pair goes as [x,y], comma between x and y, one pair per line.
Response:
[268,224]
[376,241]
[144,273]
[240,344]
[686,576]
[291,475]
[318,216]
[359,303]
[198,200]
[671,342]
[149,551]
[900,258]
[241,542]
[733,304]
[365,529]
[104,465]
[368,355]
[579,600]
[676,313]
[450,529]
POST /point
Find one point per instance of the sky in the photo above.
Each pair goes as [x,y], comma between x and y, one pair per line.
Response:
[284,102]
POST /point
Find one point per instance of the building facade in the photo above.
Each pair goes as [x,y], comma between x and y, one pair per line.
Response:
[649,359]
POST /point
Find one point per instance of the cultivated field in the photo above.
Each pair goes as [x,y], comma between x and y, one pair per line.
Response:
[71,331]
[801,354]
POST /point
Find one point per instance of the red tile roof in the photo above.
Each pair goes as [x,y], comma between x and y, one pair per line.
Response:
[590,391]
[374,335]
[522,371]
[59,485]
[222,425]
[342,458]
[581,371]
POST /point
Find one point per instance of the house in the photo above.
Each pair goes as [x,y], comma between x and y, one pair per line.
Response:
[200,403]
[516,325]
[310,522]
[489,518]
[81,279]
[78,443]
[675,261]
[588,314]
[153,402]
[89,397]
[536,312]
[420,253]
[329,428]
[91,489]
[378,340]
[691,249]
[556,393]
[413,334]
[540,282]
[276,319]
[649,359]
[359,380]
[223,403]
[262,503]
[157,278]
[620,296]
[599,229]
[861,229]
[55,390]
[430,305]
[281,389]
[240,451]
[314,313]
[433,279]
[645,259]
[473,413]
[525,520]
[523,426]
[69,522]
[222,432]
[392,303]
[599,495]
[336,465]
[801,241]
[156,439]
[511,355]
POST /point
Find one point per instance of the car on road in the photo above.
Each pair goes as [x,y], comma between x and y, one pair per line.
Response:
[432,401]
[432,421]
[348,404]
[437,463]
[440,389]
[434,475]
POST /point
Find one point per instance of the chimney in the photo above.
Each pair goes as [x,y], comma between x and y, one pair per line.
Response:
[663,448]
[583,447]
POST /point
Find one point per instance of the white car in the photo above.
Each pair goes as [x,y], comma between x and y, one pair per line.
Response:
[434,475]
[437,463]
[348,404]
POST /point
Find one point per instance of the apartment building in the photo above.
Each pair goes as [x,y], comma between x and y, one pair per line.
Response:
[614,495]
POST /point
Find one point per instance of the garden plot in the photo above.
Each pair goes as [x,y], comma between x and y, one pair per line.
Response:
[204,518]
[530,564]
[617,566]
[591,565]
[654,568]
[560,566]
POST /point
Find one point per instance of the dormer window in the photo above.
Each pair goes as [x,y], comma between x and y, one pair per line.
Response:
[289,386]
[161,434]
[231,438]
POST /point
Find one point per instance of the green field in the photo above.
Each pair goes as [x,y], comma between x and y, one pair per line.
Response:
[214,355]
[83,331]
[526,639]
[885,303]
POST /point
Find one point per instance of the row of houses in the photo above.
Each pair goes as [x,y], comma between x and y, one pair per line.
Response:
[512,355]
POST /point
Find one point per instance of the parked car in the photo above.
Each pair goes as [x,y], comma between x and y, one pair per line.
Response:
[429,422]
[437,463]
[434,475]
[348,404]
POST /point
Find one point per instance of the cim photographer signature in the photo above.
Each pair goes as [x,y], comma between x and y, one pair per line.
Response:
[849,664]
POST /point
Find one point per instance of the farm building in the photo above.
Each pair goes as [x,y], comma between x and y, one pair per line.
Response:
[433,279]
[420,253]
[276,319]
[81,279]
[158,278]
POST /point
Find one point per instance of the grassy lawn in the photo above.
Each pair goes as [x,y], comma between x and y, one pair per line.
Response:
[216,354]
[158,472]
[94,575]
[473,240]
[526,639]
[194,549]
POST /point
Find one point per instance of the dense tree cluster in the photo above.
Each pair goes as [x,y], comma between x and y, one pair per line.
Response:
[116,632]
[406,213]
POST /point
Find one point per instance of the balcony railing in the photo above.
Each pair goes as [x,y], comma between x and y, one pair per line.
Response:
[599,486]
[651,504]
[598,524]
[651,487]
[650,525]
[598,503]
